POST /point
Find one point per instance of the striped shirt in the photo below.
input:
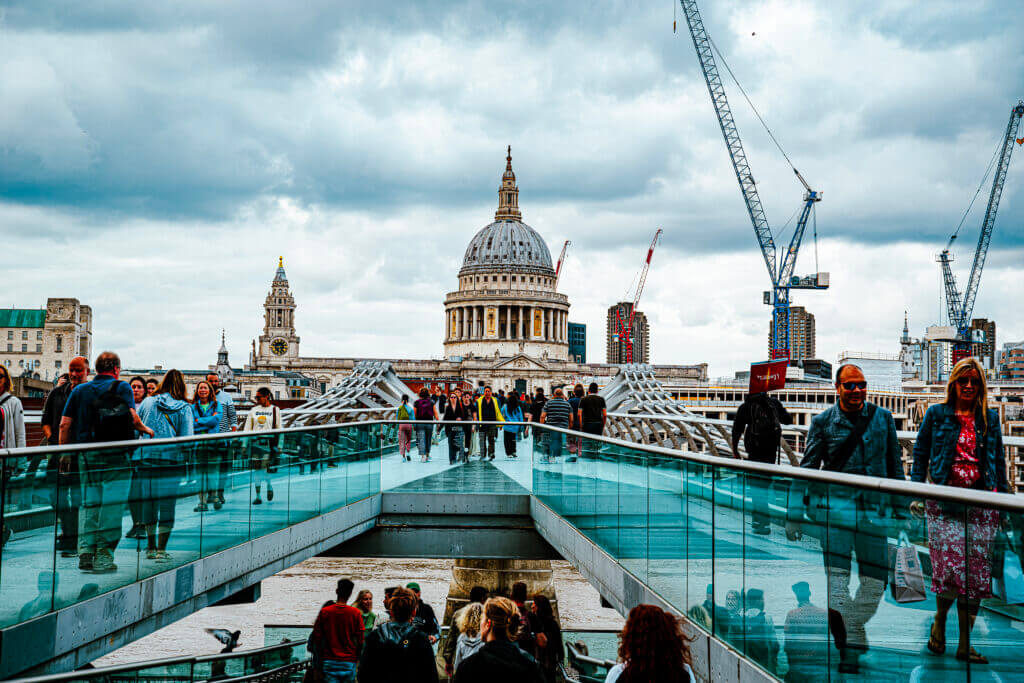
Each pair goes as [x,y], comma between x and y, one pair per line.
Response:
[557,411]
[229,418]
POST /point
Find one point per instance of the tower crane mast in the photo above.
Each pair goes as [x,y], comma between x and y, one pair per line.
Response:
[961,309]
[626,331]
[561,261]
[780,272]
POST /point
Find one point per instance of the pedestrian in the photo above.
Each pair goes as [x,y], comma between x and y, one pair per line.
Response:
[526,634]
[338,636]
[592,415]
[138,530]
[364,601]
[397,651]
[208,416]
[425,409]
[478,596]
[467,625]
[960,444]
[12,414]
[151,385]
[759,420]
[527,406]
[426,621]
[501,397]
[222,454]
[855,437]
[499,660]
[161,468]
[652,647]
[574,421]
[806,639]
[550,650]
[99,411]
[759,629]
[454,411]
[470,435]
[404,412]
[64,479]
[536,409]
[488,411]
[262,417]
[556,413]
[511,412]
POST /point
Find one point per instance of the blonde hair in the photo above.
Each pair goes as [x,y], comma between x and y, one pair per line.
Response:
[504,617]
[468,619]
[981,399]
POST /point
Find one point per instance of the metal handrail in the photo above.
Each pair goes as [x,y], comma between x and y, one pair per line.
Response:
[1001,501]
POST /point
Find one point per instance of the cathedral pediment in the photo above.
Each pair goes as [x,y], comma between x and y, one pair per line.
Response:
[520,362]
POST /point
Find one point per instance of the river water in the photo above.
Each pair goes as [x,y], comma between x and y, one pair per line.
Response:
[293,597]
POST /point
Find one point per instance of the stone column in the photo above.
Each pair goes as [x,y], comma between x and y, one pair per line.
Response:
[522,312]
[529,323]
[472,323]
[497,576]
[508,322]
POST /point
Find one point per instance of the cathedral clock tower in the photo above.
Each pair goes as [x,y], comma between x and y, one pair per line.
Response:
[278,343]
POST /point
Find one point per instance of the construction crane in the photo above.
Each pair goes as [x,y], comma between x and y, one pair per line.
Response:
[561,260]
[626,331]
[961,308]
[780,271]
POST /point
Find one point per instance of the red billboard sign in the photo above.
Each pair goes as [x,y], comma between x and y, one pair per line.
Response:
[768,375]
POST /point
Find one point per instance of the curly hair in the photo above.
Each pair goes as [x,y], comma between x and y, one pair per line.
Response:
[467,620]
[504,617]
[402,604]
[653,646]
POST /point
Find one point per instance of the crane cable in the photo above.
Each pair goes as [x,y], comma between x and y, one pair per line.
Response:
[756,112]
[976,193]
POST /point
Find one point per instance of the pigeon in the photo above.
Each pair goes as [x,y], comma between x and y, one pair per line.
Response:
[229,638]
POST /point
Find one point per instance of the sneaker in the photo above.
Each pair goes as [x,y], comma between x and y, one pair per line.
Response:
[103,562]
[85,562]
[217,504]
[270,494]
[152,554]
[163,556]
[200,508]
[257,501]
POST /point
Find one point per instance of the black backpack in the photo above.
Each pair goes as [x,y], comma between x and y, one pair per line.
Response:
[110,417]
[765,429]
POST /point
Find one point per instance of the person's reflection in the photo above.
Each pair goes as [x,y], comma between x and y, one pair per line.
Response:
[806,636]
[762,643]
[46,584]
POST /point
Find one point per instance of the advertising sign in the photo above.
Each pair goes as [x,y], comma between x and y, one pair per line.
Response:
[768,375]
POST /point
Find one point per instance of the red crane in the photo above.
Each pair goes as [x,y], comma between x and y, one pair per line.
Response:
[561,260]
[626,331]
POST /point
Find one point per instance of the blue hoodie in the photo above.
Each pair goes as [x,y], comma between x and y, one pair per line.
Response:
[207,422]
[167,417]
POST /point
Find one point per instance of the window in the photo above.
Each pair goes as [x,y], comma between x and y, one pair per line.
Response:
[10,334]
[39,348]
[24,348]
[60,343]
[21,362]
[57,364]
[39,335]
[24,334]
[10,347]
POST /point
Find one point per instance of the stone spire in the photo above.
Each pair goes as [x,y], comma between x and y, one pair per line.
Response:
[223,367]
[279,275]
[508,194]
[905,339]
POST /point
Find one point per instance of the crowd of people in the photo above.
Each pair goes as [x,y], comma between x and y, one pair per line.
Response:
[492,638]
[486,413]
[90,490]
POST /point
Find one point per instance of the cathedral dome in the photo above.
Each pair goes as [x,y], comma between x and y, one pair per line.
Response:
[507,245]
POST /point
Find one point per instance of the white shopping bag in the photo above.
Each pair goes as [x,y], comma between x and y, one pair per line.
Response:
[1010,586]
[907,577]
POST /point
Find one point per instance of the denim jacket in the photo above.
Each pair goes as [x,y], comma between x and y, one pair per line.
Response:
[878,455]
[935,448]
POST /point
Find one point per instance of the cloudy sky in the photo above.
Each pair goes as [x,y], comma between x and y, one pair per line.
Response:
[158,157]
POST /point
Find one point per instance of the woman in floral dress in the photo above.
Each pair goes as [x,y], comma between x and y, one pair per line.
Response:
[960,444]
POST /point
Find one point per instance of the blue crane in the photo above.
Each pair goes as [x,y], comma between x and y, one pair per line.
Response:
[780,271]
[961,308]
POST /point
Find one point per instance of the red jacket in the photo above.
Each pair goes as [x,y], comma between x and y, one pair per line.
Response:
[338,632]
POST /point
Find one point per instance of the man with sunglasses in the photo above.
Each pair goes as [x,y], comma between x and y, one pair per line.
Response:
[853,437]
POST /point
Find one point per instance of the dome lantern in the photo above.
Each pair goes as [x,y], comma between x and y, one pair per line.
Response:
[508,194]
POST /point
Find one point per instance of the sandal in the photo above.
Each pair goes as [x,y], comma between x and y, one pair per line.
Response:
[972,657]
[935,644]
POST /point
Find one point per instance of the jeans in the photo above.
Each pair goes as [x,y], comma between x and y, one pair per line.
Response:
[555,441]
[423,439]
[106,478]
[404,439]
[339,672]
[488,433]
[454,444]
[510,443]
[158,488]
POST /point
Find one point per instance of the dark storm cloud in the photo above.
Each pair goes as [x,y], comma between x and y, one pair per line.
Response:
[192,110]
